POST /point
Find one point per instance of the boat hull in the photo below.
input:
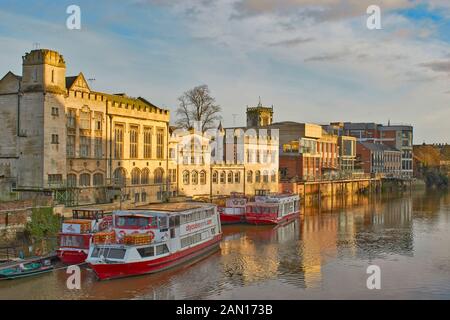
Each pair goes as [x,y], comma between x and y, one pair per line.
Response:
[263,219]
[232,218]
[105,271]
[71,257]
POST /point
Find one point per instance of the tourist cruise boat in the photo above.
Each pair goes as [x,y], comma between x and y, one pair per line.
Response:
[234,209]
[155,237]
[272,209]
[76,234]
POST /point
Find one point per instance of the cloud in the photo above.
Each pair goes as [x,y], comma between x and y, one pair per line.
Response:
[329,57]
[438,66]
[291,42]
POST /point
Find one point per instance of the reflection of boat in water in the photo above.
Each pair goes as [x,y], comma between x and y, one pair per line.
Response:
[25,269]
[272,209]
[154,238]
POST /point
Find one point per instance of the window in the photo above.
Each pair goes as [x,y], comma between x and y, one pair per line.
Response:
[222,177]
[85,147]
[250,176]
[160,143]
[215,177]
[147,142]
[53,76]
[71,180]
[145,176]
[273,176]
[144,197]
[230,177]
[146,252]
[98,179]
[265,176]
[202,177]
[136,197]
[119,176]
[158,176]
[118,141]
[55,111]
[98,121]
[186,177]
[55,139]
[161,249]
[172,153]
[85,179]
[257,176]
[70,148]
[133,142]
[71,118]
[237,177]
[85,120]
[54,179]
[194,177]
[98,148]
[135,176]
[172,175]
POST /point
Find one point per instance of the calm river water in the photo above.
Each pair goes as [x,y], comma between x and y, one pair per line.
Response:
[322,255]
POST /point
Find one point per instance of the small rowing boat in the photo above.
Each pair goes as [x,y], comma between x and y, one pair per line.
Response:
[22,270]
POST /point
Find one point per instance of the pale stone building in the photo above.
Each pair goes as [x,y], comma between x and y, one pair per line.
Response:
[61,137]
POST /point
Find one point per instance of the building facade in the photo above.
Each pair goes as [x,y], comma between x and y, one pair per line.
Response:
[380,159]
[81,145]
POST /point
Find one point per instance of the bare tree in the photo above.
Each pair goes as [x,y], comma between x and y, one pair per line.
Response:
[198,105]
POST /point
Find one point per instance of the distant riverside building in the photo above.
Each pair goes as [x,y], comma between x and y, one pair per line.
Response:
[399,137]
[82,146]
[381,159]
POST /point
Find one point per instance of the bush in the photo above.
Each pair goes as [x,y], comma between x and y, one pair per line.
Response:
[43,224]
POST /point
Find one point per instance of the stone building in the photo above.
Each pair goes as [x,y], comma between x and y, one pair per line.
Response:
[82,146]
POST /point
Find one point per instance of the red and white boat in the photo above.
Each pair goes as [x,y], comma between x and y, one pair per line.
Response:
[154,238]
[233,211]
[272,209]
[76,234]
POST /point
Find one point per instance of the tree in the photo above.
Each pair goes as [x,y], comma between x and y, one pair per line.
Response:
[197,105]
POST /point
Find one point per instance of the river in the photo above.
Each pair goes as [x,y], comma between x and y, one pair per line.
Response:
[324,254]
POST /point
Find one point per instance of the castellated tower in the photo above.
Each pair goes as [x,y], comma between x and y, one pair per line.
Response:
[41,119]
[259,116]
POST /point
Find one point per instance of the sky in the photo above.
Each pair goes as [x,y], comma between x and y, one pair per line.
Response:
[313,60]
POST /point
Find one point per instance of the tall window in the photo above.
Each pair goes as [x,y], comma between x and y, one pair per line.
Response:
[98,148]
[194,177]
[250,176]
[85,120]
[98,179]
[160,143]
[274,176]
[98,121]
[158,175]
[202,177]
[230,177]
[118,141]
[237,177]
[215,177]
[119,176]
[265,176]
[133,142]
[172,175]
[85,147]
[258,176]
[135,176]
[222,177]
[85,179]
[70,148]
[71,118]
[145,176]
[71,180]
[186,177]
[147,142]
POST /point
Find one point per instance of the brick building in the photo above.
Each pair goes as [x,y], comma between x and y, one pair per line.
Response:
[377,158]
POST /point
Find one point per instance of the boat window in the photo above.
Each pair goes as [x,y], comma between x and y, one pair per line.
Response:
[134,222]
[110,253]
[163,222]
[273,210]
[191,240]
[72,241]
[146,252]
[174,221]
[161,249]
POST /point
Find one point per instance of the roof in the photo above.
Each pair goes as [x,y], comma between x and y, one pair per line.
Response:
[70,81]
[378,146]
[174,207]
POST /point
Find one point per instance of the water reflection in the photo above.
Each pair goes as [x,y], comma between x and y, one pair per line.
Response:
[322,254]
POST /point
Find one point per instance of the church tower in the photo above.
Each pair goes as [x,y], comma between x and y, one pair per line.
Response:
[259,116]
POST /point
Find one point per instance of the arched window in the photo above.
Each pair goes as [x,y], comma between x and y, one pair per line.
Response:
[194,177]
[258,176]
[158,175]
[186,177]
[237,177]
[265,176]
[222,177]
[119,176]
[145,176]
[250,176]
[135,176]
[273,176]
[230,177]
[85,180]
[215,177]
[71,180]
[98,179]
[202,177]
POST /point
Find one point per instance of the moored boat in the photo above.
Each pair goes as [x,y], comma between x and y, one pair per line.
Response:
[233,211]
[154,238]
[76,234]
[22,270]
[272,209]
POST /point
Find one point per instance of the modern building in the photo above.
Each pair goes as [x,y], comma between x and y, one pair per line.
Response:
[378,158]
[82,146]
